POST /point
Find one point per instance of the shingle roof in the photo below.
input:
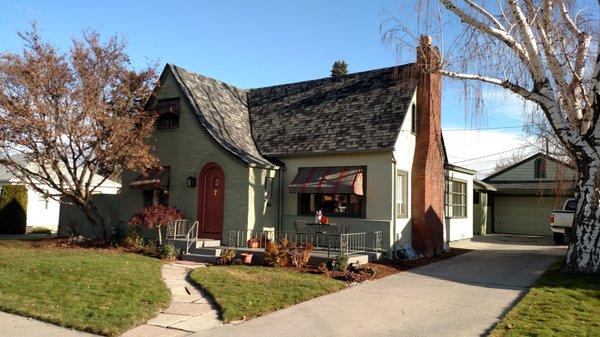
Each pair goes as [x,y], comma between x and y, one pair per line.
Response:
[353,113]
[223,111]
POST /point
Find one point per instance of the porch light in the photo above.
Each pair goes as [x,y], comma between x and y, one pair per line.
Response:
[190,182]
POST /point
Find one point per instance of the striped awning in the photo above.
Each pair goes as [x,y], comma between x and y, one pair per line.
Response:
[153,179]
[347,179]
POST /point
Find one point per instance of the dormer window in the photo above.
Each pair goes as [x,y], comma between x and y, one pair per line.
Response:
[167,111]
[539,168]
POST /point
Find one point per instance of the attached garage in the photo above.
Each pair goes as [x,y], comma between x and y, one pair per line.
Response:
[522,214]
[527,192]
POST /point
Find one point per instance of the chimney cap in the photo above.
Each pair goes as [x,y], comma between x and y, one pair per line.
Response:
[426,40]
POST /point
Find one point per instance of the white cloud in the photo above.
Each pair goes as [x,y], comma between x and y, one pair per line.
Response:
[479,150]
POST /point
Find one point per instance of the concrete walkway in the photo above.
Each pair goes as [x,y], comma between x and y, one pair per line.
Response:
[13,325]
[190,310]
[462,296]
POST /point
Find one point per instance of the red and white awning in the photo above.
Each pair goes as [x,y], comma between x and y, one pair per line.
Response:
[347,179]
[153,179]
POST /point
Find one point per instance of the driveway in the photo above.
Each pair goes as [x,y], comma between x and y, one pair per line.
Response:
[462,296]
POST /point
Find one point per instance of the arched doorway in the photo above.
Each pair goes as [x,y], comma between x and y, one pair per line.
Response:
[211,201]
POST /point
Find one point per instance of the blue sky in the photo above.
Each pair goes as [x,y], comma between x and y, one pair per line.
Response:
[259,43]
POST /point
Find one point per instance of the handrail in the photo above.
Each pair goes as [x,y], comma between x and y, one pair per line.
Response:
[194,239]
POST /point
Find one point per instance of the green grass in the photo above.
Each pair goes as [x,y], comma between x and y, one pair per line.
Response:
[558,305]
[246,292]
[95,290]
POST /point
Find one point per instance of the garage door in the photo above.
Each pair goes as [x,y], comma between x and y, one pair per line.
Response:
[522,215]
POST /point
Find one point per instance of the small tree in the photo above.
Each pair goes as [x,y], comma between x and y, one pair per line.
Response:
[13,209]
[67,117]
[339,68]
[156,216]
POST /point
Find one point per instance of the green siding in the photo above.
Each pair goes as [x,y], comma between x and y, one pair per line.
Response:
[525,172]
[186,150]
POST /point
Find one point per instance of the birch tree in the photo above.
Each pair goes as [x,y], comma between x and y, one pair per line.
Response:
[547,52]
[68,120]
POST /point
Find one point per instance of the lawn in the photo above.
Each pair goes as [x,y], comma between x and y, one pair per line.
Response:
[250,291]
[96,290]
[557,305]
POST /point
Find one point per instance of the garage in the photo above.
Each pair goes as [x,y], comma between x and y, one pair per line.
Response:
[522,214]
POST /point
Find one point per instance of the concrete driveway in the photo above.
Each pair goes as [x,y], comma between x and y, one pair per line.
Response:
[462,296]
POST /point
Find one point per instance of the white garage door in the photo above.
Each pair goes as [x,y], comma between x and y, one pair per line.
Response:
[522,215]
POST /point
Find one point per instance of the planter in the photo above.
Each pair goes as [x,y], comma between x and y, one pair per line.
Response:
[246,258]
[252,243]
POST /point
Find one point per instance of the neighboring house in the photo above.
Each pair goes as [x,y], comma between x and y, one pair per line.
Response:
[527,192]
[45,212]
[366,148]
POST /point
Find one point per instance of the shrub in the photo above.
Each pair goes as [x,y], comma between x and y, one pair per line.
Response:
[169,252]
[341,262]
[40,230]
[323,268]
[156,216]
[277,254]
[133,241]
[151,249]
[300,254]
[13,206]
[226,257]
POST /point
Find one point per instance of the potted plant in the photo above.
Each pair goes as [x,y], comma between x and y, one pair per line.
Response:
[246,258]
[253,242]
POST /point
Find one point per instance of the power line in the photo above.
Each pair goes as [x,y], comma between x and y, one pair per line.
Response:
[482,129]
[491,155]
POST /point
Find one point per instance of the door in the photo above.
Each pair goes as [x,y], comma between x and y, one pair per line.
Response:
[522,215]
[211,201]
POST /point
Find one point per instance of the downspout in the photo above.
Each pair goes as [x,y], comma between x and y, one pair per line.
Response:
[394,173]
[280,201]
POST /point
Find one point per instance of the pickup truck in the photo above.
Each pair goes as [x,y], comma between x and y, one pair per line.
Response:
[561,221]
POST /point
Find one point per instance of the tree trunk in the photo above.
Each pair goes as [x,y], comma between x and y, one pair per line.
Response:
[583,255]
[97,221]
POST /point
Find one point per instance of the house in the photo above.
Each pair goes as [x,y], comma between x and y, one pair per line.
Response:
[45,212]
[527,192]
[366,148]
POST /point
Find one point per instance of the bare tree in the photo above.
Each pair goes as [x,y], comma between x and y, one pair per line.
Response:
[66,117]
[547,52]
[509,160]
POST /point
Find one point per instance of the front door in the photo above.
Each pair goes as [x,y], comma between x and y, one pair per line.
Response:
[211,200]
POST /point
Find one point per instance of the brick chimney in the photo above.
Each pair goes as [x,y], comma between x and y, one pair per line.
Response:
[428,164]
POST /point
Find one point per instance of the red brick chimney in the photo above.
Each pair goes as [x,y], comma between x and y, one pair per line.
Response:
[428,164]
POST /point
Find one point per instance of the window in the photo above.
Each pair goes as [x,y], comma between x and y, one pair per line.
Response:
[413,118]
[333,204]
[476,198]
[539,168]
[571,205]
[456,199]
[401,194]
[156,197]
[167,111]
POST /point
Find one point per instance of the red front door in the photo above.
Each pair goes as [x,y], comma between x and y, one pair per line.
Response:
[211,200]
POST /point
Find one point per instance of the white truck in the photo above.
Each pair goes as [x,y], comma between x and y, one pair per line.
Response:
[561,221]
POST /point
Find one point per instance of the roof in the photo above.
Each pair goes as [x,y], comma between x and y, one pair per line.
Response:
[359,112]
[480,185]
[458,168]
[534,156]
[222,109]
[548,186]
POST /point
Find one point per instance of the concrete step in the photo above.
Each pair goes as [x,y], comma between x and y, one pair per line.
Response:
[199,258]
[213,251]
[207,243]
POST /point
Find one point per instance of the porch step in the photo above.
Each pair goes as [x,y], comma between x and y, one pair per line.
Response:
[207,243]
[199,258]
[212,251]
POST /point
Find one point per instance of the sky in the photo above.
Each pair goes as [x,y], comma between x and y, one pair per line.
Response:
[259,43]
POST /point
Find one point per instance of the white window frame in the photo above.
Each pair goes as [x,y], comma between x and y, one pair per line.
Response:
[463,205]
[401,194]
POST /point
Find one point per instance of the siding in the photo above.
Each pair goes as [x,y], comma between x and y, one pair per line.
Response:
[461,228]
[186,150]
[525,172]
[262,213]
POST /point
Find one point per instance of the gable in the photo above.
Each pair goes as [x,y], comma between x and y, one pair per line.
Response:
[524,171]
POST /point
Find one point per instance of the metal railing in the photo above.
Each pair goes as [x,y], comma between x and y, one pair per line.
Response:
[191,237]
[177,229]
[346,243]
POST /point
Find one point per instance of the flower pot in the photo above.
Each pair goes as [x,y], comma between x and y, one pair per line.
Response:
[246,258]
[252,244]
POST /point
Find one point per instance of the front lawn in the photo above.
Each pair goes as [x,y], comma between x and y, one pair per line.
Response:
[558,305]
[250,291]
[96,290]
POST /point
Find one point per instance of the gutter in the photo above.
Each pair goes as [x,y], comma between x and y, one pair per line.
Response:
[394,250]
[280,201]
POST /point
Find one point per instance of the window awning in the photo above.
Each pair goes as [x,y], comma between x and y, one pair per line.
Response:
[328,180]
[165,106]
[153,179]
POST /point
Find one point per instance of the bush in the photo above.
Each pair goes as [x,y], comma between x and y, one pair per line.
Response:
[169,252]
[133,241]
[341,262]
[40,230]
[323,268]
[156,216]
[226,257]
[151,248]
[300,254]
[13,206]
[277,254]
